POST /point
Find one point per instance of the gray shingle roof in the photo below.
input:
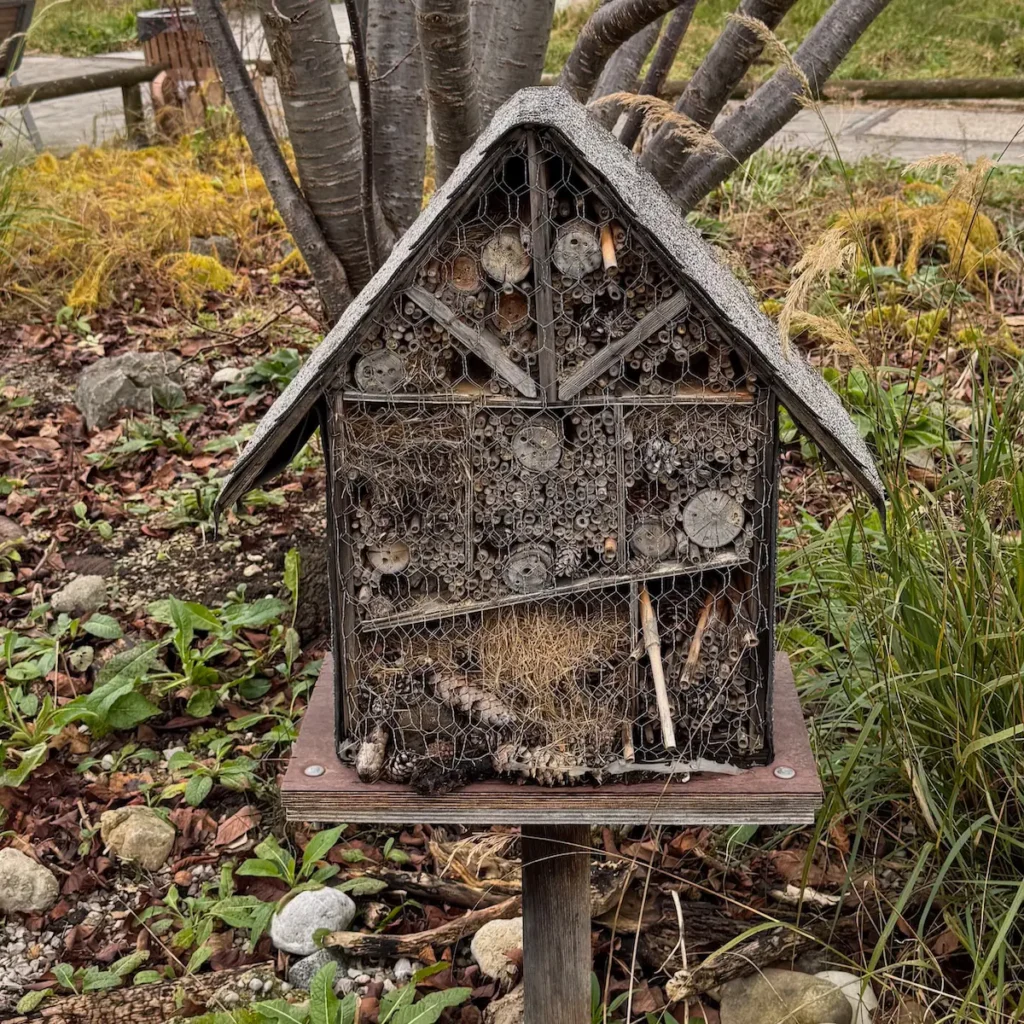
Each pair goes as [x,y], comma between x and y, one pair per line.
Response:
[811,402]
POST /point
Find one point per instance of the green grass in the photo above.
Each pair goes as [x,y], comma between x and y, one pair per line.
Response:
[81,28]
[911,39]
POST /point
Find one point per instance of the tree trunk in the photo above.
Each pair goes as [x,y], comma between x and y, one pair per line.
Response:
[481,16]
[327,270]
[446,41]
[400,128]
[516,45]
[606,30]
[621,72]
[322,123]
[746,131]
[712,84]
[668,47]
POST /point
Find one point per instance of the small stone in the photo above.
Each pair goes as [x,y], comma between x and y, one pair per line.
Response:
[863,1003]
[229,997]
[344,986]
[228,375]
[107,762]
[492,945]
[389,985]
[353,972]
[11,532]
[403,969]
[509,1009]
[138,834]
[25,885]
[252,570]
[774,996]
[83,594]
[363,979]
[221,247]
[300,974]
[255,985]
[293,926]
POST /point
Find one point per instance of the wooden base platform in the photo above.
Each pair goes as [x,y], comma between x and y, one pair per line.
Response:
[785,792]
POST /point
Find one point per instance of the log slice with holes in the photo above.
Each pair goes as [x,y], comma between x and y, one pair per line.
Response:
[712,518]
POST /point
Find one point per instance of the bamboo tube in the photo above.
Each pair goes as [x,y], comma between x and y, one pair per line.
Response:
[652,642]
[608,254]
[702,624]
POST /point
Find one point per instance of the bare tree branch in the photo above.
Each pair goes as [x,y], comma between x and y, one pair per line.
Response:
[622,70]
[608,28]
[516,45]
[446,42]
[400,136]
[709,89]
[355,27]
[481,14]
[327,270]
[746,131]
[323,128]
[668,47]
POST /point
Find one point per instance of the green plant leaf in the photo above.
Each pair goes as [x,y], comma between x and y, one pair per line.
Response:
[256,867]
[255,614]
[106,627]
[30,1000]
[129,666]
[323,1003]
[362,886]
[197,959]
[201,703]
[270,849]
[292,569]
[280,1011]
[319,846]
[129,710]
[65,975]
[397,999]
[147,978]
[95,980]
[429,1009]
[129,964]
[30,760]
[198,789]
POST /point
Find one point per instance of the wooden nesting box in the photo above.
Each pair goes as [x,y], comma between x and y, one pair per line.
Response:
[551,428]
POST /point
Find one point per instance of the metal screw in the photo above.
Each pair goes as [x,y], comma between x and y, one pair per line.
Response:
[784,772]
[314,770]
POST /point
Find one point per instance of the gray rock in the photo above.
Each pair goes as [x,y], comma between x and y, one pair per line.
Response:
[219,246]
[138,834]
[492,944]
[136,380]
[25,885]
[507,1010]
[11,532]
[293,926]
[861,996]
[774,996]
[403,969]
[300,974]
[228,375]
[83,594]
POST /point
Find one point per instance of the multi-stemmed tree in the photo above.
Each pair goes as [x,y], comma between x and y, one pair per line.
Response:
[361,172]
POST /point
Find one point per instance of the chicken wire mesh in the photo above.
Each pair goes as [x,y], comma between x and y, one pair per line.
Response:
[554,502]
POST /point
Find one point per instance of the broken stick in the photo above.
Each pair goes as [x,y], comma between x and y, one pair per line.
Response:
[693,656]
[652,641]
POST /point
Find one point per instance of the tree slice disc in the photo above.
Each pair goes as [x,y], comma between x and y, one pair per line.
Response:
[389,558]
[711,518]
[537,446]
[466,274]
[577,248]
[513,309]
[381,371]
[529,568]
[652,539]
[504,257]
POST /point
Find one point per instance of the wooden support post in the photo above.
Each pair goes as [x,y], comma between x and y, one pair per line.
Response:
[134,116]
[557,958]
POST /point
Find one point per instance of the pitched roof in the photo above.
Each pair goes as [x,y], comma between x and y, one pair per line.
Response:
[811,402]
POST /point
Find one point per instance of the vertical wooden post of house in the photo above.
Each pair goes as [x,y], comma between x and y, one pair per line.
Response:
[556,923]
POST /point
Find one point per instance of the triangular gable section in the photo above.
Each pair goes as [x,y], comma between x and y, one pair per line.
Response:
[649,210]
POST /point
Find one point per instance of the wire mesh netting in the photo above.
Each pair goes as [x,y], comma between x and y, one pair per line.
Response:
[553,481]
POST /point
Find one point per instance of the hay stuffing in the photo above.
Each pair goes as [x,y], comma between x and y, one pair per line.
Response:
[103,217]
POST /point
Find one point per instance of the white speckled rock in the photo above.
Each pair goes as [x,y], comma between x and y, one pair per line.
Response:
[138,834]
[293,926]
[25,885]
[783,997]
[82,594]
[492,944]
[863,1003]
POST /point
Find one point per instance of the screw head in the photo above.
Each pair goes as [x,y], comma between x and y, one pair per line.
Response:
[314,770]
[784,772]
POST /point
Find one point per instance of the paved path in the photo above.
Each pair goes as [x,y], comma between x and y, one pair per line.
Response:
[905,132]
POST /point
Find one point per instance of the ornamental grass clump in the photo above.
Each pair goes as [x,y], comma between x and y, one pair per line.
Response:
[115,215]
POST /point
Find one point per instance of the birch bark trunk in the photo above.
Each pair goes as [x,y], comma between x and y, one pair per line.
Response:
[400,105]
[322,123]
[768,110]
[445,36]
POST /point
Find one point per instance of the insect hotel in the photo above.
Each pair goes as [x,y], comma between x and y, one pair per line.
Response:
[551,432]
